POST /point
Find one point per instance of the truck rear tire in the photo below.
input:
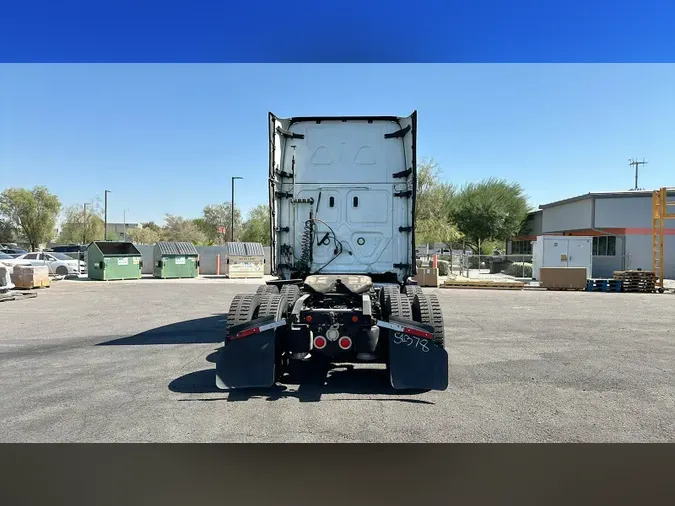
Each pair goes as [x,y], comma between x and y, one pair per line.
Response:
[273,305]
[244,308]
[398,305]
[426,308]
[263,289]
[412,290]
[292,293]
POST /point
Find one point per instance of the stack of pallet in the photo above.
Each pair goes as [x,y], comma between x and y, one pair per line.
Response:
[31,276]
[637,281]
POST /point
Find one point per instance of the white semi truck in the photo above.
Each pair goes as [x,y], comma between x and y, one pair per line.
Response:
[342,225]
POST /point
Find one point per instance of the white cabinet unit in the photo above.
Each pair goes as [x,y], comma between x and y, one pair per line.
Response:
[562,251]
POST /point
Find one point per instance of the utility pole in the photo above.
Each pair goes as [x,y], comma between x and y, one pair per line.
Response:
[105,213]
[634,162]
[84,224]
[125,225]
[232,211]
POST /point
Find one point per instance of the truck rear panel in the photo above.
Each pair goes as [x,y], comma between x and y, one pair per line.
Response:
[356,176]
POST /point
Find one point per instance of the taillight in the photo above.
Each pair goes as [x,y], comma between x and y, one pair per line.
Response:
[320,342]
[345,343]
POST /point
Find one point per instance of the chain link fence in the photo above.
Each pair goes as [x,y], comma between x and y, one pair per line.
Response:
[473,266]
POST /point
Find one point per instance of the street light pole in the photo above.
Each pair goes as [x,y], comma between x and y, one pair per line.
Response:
[232,211]
[105,213]
[84,225]
[125,225]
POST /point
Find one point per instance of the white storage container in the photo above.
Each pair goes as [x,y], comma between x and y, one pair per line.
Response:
[562,251]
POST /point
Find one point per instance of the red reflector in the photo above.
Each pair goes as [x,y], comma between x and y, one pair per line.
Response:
[308,318]
[247,332]
[320,342]
[345,343]
[418,333]
[355,318]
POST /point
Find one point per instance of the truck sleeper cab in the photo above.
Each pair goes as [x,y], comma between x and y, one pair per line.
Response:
[342,197]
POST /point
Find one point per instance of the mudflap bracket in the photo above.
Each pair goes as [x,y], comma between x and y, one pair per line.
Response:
[248,358]
[416,362]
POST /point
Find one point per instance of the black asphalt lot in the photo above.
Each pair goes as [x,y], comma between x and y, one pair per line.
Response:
[133,361]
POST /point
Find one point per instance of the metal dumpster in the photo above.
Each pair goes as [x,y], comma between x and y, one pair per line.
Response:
[175,260]
[109,260]
[245,260]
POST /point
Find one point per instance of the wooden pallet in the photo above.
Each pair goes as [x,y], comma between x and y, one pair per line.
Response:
[483,287]
[6,297]
[637,281]
[604,285]
[17,287]
[483,284]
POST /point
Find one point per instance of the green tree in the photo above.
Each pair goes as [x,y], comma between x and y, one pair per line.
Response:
[181,229]
[33,212]
[219,215]
[490,210]
[152,226]
[257,225]
[143,235]
[434,199]
[7,231]
[81,227]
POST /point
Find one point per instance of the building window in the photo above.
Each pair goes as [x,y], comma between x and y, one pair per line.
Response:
[521,248]
[604,246]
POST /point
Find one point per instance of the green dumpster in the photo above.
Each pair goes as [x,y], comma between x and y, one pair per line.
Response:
[175,260]
[109,260]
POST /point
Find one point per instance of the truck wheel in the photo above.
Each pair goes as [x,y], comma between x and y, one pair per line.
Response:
[398,305]
[244,308]
[262,289]
[387,291]
[273,305]
[292,293]
[412,290]
[426,308]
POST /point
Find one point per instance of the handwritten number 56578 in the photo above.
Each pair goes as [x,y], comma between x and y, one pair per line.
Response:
[405,339]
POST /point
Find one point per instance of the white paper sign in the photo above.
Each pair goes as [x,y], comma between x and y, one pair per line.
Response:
[180,260]
[123,261]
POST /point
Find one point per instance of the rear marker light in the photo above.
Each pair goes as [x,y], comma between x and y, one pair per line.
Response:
[418,333]
[247,332]
[320,342]
[345,343]
[308,318]
[355,318]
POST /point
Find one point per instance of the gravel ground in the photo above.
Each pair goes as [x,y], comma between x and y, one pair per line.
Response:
[133,361]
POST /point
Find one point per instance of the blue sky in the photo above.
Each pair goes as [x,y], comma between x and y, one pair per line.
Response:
[167,138]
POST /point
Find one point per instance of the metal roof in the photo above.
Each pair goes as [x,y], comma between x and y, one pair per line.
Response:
[605,194]
[245,249]
[176,248]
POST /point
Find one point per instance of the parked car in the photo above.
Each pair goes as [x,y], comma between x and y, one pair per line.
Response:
[58,263]
[9,261]
[14,252]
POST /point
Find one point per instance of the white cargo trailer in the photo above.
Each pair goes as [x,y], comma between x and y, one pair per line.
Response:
[562,251]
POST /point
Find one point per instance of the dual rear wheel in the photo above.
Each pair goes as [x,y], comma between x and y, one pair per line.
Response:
[417,306]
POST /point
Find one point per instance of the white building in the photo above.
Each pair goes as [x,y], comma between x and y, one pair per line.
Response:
[619,222]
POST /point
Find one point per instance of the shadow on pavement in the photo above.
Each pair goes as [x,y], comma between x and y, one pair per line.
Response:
[314,382]
[210,329]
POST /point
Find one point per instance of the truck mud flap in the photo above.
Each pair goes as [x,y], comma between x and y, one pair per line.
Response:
[415,361]
[248,359]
